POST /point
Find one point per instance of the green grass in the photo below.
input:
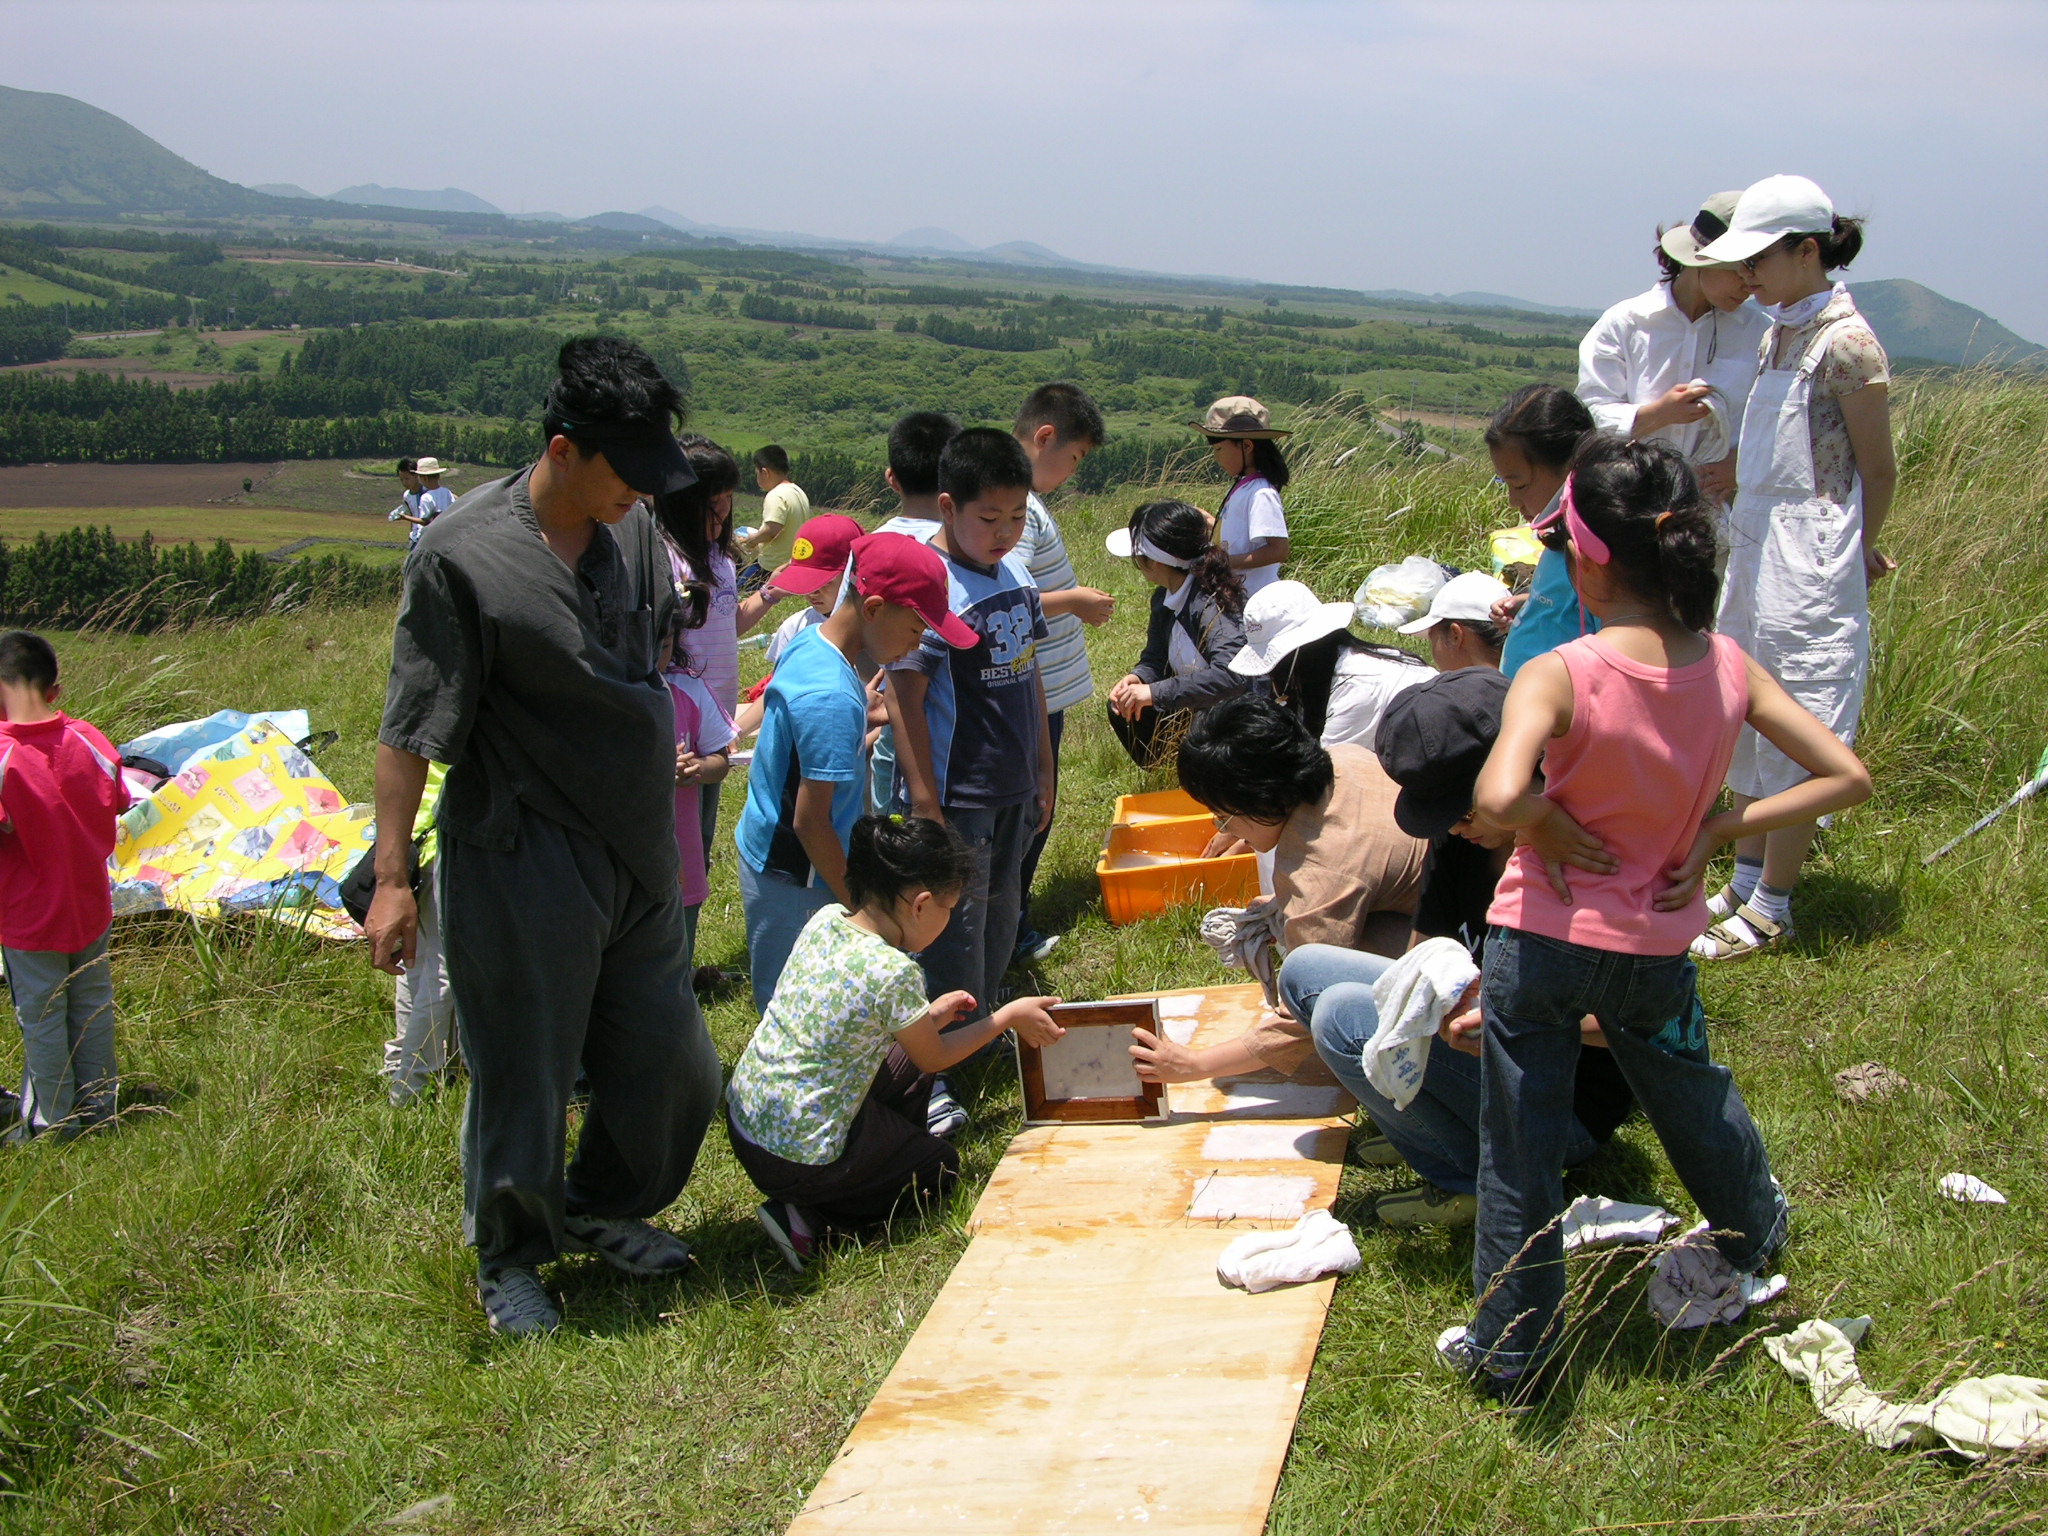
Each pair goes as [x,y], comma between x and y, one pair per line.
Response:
[276,1329]
[242,526]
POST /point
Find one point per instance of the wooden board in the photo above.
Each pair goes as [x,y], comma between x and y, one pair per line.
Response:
[1083,1370]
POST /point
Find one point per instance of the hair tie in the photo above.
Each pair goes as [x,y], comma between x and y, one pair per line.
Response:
[1662,519]
[1588,543]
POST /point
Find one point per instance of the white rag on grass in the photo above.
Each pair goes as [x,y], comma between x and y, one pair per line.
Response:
[1693,1285]
[1594,1221]
[1318,1244]
[1969,1189]
[1975,1417]
[1412,996]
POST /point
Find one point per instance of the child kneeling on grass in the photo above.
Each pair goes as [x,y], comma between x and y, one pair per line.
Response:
[827,1105]
[60,792]
[1634,728]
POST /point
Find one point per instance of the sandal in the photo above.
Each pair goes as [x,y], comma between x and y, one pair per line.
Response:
[1744,932]
[1722,904]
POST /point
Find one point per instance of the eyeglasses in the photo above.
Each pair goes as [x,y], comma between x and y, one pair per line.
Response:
[1749,264]
[1223,819]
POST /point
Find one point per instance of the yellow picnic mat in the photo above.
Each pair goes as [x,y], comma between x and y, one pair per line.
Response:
[249,825]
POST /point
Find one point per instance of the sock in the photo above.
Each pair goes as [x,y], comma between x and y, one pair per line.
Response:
[1748,872]
[1768,901]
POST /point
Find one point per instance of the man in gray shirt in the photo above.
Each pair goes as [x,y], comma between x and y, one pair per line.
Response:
[525,657]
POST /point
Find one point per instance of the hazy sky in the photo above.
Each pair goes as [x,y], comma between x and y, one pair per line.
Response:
[1528,149]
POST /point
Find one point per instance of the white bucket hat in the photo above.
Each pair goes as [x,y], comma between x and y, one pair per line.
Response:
[1467,599]
[1280,619]
[428,466]
[1775,207]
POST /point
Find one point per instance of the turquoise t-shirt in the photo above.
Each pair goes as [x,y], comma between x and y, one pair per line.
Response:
[1550,617]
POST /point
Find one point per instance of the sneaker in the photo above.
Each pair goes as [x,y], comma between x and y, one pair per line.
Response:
[944,1116]
[1033,947]
[634,1247]
[516,1302]
[1456,1353]
[1425,1205]
[1373,1150]
[1744,932]
[786,1228]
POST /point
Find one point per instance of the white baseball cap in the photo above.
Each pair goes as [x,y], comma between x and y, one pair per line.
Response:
[1279,620]
[1468,598]
[1775,207]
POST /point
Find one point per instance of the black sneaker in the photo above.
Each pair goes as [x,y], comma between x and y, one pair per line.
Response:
[515,1301]
[633,1247]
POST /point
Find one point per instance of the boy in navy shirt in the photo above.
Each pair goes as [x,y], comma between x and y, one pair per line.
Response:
[973,747]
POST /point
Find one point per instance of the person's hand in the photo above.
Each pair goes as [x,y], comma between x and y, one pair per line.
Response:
[1029,1017]
[1044,803]
[1590,1033]
[1717,480]
[1130,698]
[1225,845]
[1463,1022]
[1685,875]
[1162,1061]
[1876,565]
[1678,405]
[392,924]
[1505,609]
[1559,842]
[929,810]
[1092,605]
[949,1009]
[687,765]
[878,707]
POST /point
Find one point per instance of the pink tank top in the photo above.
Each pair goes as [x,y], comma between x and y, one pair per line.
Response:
[1645,756]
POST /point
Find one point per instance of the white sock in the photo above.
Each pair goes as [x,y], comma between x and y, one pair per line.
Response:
[1768,901]
[1748,873]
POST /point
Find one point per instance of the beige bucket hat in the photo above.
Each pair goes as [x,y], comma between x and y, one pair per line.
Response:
[1238,416]
[428,466]
[1682,242]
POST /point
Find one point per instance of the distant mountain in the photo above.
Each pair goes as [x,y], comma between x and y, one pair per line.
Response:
[1916,322]
[58,155]
[447,200]
[1026,253]
[1473,300]
[632,222]
[927,238]
[285,189]
[666,216]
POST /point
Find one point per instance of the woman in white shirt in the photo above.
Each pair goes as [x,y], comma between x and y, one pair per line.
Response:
[1252,526]
[1333,682]
[1677,363]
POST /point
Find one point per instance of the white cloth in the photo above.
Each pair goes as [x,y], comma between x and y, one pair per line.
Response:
[1693,1285]
[1314,1246]
[1795,597]
[423,1006]
[1184,658]
[1246,937]
[1645,346]
[1365,684]
[1251,515]
[1803,311]
[789,629]
[1594,1221]
[1412,996]
[1970,1189]
[1975,1417]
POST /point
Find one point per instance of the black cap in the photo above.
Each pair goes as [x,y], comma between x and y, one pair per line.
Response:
[648,459]
[1433,740]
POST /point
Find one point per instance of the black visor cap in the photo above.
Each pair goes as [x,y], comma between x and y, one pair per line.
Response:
[649,460]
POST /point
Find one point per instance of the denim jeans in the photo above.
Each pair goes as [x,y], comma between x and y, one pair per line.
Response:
[1438,1133]
[974,951]
[1536,990]
[1057,721]
[776,911]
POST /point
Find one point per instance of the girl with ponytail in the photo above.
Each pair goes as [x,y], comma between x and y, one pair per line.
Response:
[1195,630]
[1633,728]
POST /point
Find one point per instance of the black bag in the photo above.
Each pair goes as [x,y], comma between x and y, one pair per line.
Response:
[359,885]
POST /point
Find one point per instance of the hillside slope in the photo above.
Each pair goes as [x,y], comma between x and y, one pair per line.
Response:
[1914,321]
[58,153]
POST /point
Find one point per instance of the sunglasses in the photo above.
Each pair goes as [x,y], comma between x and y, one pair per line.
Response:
[1788,243]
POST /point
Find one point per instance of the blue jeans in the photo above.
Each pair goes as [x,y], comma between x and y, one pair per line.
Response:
[1438,1133]
[1535,992]
[776,911]
[974,951]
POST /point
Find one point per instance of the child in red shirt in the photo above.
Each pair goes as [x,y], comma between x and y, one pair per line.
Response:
[60,792]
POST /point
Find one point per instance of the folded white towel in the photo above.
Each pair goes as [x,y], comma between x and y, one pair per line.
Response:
[1412,996]
[1970,1189]
[1694,1285]
[1318,1244]
[1594,1221]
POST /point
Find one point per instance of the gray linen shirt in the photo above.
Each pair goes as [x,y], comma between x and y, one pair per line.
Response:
[536,683]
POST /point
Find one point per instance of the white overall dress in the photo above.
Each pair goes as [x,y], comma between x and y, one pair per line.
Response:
[1795,596]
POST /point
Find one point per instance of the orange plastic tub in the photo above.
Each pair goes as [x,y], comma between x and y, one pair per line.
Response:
[1155,862]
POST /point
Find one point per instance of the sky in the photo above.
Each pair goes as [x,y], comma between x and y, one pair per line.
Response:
[1527,149]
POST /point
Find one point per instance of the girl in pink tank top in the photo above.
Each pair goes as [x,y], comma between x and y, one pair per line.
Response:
[1632,729]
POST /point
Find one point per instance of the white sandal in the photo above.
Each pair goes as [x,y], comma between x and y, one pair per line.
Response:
[1744,932]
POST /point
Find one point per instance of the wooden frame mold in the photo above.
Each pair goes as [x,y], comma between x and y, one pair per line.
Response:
[1087,1076]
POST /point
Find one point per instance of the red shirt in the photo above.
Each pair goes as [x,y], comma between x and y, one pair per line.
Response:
[60,791]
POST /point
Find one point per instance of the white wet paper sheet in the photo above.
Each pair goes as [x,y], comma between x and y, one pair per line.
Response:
[1091,1062]
[1259,1143]
[1259,1198]
[1179,1017]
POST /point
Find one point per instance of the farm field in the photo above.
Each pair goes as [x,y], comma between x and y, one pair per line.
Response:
[274,1326]
[263,528]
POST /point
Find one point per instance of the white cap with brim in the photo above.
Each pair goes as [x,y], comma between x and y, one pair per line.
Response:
[1468,599]
[1775,207]
[1279,620]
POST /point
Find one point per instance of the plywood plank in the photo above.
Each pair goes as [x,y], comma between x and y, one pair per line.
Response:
[1083,1370]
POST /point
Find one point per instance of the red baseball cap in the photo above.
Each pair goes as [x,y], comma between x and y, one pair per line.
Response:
[898,569]
[818,555]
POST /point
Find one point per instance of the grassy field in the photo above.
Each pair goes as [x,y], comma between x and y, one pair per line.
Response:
[243,527]
[251,1311]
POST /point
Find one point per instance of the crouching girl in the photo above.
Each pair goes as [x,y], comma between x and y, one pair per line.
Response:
[826,1108]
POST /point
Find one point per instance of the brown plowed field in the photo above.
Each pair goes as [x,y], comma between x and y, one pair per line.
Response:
[127,485]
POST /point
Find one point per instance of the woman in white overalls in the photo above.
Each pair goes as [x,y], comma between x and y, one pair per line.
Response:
[1814,481]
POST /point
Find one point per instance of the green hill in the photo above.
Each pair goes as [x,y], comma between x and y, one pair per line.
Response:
[59,155]
[1916,322]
